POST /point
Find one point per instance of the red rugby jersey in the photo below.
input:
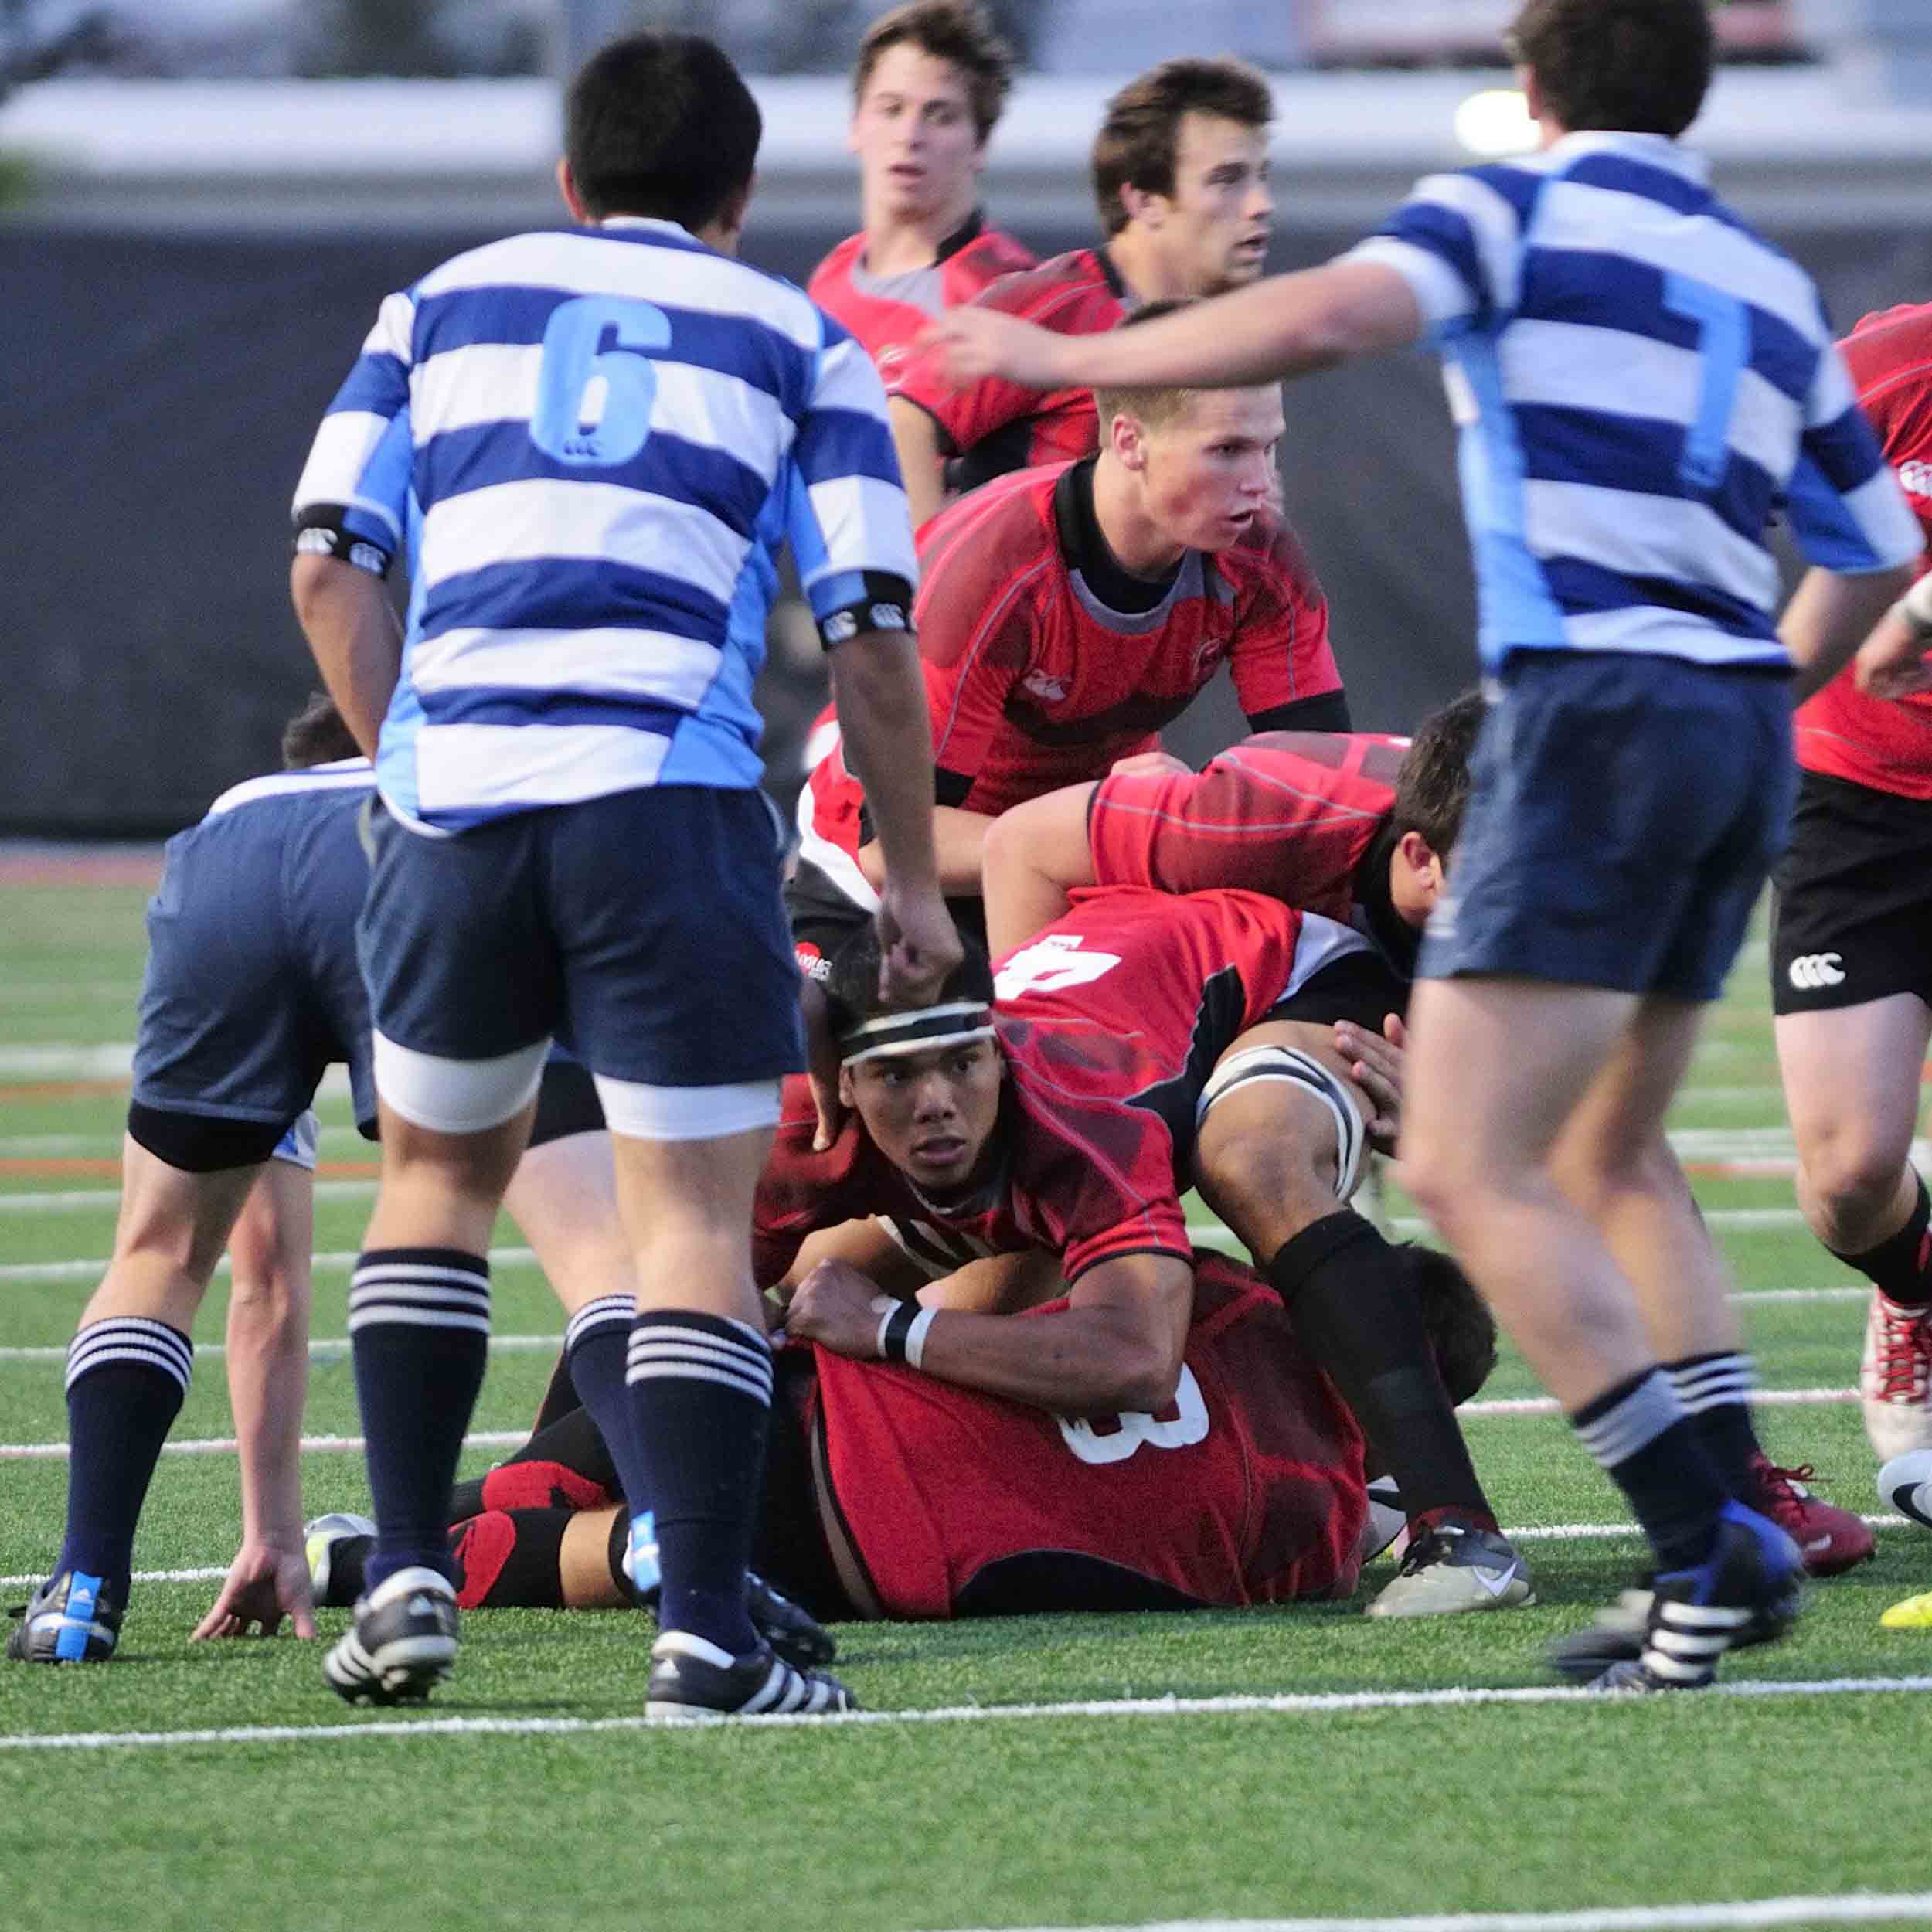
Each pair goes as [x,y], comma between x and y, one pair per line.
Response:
[994,425]
[1291,813]
[1883,743]
[886,312]
[1110,1021]
[1248,1489]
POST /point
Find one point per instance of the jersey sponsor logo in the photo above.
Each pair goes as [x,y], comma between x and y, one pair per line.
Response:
[812,962]
[1915,478]
[1045,687]
[1103,1439]
[1812,972]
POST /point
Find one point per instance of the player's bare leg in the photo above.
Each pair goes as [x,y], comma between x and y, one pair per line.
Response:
[1268,1159]
[1852,1089]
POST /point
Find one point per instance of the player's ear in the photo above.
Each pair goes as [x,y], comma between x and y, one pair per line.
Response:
[1127,437]
[1149,210]
[848,1096]
[566,186]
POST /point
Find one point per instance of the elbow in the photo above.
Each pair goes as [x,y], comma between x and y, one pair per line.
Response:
[1147,1375]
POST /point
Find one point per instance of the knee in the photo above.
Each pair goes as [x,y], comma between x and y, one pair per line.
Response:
[1846,1178]
[1265,1186]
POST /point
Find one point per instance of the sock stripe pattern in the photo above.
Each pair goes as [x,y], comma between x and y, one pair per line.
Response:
[606,1311]
[417,1293]
[1707,1382]
[131,1338]
[671,1349]
[1616,1427]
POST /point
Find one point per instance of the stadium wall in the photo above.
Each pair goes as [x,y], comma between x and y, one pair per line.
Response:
[164,389]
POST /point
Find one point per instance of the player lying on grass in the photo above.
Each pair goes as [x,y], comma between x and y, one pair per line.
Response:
[1180,171]
[890,1493]
[1066,615]
[1359,829]
[252,991]
[1143,1044]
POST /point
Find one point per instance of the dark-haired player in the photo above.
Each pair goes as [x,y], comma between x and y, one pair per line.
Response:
[1641,384]
[1180,171]
[1360,829]
[592,442]
[927,89]
[1143,1043]
[1852,943]
[891,1493]
[1066,614]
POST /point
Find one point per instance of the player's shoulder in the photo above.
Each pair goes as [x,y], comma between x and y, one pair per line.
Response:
[1889,346]
[1049,285]
[1268,554]
[835,272]
[1009,521]
[988,258]
[342,783]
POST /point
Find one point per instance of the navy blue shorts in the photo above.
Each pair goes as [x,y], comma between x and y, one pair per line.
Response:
[1624,815]
[643,930]
[252,987]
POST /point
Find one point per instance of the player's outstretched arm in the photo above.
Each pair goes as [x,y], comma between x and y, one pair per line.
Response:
[1830,616]
[922,462]
[881,697]
[1033,857]
[268,1322]
[352,629]
[1287,325]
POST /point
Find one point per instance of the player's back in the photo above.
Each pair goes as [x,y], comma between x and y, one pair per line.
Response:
[1884,743]
[1247,1489]
[1640,381]
[602,435]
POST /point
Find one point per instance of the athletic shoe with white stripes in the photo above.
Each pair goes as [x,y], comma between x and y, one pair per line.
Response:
[69,1620]
[1895,1377]
[1750,1581]
[694,1681]
[401,1644]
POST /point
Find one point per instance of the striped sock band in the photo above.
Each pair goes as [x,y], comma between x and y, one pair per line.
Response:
[1643,1440]
[701,1348]
[1618,1426]
[419,1319]
[1714,1391]
[1703,1382]
[597,1346]
[607,1310]
[132,1338]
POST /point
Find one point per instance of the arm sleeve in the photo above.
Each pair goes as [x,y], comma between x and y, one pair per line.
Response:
[1457,242]
[973,646]
[1281,655]
[850,531]
[1847,511]
[352,498]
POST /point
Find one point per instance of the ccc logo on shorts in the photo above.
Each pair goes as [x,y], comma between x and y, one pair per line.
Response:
[1814,971]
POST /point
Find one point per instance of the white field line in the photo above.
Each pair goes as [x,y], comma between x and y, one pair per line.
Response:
[1542,1533]
[1285,1704]
[501,1439]
[75,1199]
[318,1345]
[1843,1908]
[93,1271]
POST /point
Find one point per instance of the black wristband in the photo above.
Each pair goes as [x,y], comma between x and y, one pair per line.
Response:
[894,1329]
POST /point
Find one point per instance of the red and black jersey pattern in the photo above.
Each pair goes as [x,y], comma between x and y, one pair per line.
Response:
[1110,1021]
[1882,742]
[1247,1489]
[886,312]
[1291,813]
[994,425]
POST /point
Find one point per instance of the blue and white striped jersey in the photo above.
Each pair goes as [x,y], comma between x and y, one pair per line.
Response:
[1641,385]
[591,443]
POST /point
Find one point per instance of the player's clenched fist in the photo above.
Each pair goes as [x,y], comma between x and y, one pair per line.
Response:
[840,1309]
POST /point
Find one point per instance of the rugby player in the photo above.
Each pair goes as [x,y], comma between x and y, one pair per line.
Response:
[1359,829]
[1067,613]
[596,440]
[1852,945]
[1142,1044]
[889,1493]
[1180,169]
[1641,383]
[927,90]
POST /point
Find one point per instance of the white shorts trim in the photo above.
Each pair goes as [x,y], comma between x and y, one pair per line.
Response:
[1276,1062]
[458,1096]
[298,1146]
[686,1112]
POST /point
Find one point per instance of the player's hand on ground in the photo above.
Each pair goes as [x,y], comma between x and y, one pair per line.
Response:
[918,945]
[1375,1062]
[1894,662]
[971,343]
[838,1307]
[1148,764]
[265,1582]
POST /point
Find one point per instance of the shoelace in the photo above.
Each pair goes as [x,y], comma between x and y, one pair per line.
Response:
[1904,1365]
[1781,1484]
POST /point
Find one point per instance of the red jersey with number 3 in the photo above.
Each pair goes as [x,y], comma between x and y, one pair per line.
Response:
[886,312]
[1883,743]
[1289,812]
[1247,1489]
[1110,1021]
[994,425]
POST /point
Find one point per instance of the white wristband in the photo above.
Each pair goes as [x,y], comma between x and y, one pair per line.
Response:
[1916,605]
[916,1338]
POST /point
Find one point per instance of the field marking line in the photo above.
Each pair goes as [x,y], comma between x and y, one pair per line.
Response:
[318,1345]
[1547,1532]
[327,1262]
[1288,1704]
[74,1199]
[1843,1908]
[507,1439]
[1853,1908]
